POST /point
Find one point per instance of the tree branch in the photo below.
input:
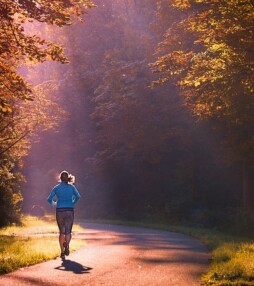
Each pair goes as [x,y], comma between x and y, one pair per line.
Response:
[15,142]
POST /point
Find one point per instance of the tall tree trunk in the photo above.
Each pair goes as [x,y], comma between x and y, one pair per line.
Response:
[195,174]
[246,187]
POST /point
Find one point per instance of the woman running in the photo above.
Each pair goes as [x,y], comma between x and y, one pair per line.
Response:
[66,197]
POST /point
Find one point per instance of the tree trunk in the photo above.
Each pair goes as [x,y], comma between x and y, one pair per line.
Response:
[246,187]
[194,188]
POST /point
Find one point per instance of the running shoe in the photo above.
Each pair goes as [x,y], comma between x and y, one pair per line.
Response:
[67,250]
[62,255]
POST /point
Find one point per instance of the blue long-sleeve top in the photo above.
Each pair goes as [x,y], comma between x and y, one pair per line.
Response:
[66,195]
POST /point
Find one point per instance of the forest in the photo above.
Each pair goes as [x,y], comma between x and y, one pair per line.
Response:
[148,103]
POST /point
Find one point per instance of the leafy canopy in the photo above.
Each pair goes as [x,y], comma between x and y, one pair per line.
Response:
[22,108]
[18,47]
[209,54]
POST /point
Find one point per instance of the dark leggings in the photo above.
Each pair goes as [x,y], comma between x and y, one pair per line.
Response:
[64,218]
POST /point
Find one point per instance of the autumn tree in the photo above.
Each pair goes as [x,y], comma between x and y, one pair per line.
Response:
[212,63]
[135,151]
[22,107]
[123,140]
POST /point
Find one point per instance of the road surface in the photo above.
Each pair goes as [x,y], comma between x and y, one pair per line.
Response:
[121,256]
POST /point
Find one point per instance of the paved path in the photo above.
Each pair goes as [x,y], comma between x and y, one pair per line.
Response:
[121,256]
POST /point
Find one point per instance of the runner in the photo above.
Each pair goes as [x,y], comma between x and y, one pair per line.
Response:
[66,196]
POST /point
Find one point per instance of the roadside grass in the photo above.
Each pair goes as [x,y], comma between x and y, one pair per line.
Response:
[36,240]
[34,225]
[232,264]
[232,257]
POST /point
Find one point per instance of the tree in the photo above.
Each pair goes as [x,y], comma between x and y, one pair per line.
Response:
[17,46]
[22,108]
[140,153]
[212,63]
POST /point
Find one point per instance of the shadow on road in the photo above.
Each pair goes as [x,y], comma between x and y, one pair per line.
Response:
[77,268]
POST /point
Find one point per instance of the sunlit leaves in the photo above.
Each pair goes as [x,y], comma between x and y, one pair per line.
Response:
[181,4]
[172,64]
[16,46]
[217,79]
[58,12]
[24,109]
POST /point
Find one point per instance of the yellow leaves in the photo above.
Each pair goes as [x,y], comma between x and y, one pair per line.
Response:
[173,64]
[208,107]
[181,4]
[202,110]
[188,81]
[16,198]
[4,55]
[216,47]
[197,83]
[5,108]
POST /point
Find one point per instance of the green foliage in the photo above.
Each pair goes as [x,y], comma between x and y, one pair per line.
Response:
[10,196]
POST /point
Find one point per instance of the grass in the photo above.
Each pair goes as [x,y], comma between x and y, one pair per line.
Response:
[232,261]
[233,264]
[21,246]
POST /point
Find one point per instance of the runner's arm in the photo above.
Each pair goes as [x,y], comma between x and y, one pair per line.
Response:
[76,195]
[50,198]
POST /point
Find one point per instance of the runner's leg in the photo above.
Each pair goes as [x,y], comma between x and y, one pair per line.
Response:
[61,242]
[68,229]
[61,226]
[68,238]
